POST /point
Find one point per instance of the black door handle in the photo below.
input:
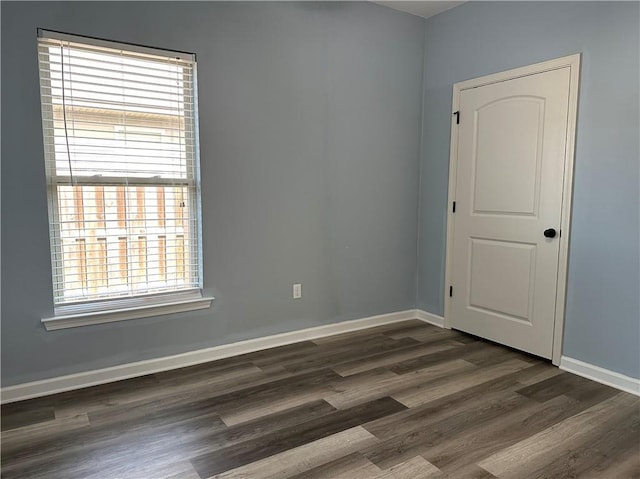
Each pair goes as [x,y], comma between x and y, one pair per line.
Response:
[550,233]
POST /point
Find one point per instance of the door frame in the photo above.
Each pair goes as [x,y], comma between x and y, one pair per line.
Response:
[573,62]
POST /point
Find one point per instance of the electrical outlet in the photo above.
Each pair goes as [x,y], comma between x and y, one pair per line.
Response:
[297,291]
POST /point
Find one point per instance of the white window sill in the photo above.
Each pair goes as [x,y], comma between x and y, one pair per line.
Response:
[122,314]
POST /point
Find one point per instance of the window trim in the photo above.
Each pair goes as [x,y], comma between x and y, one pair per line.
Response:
[168,303]
[102,42]
[143,305]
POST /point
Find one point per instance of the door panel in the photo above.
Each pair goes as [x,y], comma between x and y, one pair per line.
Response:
[494,292]
[507,174]
[511,147]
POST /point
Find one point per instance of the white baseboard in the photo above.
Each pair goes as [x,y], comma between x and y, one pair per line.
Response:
[70,382]
[601,375]
[430,318]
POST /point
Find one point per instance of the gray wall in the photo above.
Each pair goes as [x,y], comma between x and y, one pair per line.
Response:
[602,323]
[310,150]
[310,136]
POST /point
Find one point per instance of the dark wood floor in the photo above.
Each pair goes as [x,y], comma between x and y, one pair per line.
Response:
[407,400]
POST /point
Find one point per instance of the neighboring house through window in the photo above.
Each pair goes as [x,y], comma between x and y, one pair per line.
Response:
[120,140]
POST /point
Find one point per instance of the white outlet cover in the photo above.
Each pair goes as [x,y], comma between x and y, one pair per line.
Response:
[297,291]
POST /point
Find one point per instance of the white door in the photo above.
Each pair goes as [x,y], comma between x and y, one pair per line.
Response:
[511,155]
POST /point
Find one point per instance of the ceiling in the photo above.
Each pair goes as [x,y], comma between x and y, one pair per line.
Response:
[421,8]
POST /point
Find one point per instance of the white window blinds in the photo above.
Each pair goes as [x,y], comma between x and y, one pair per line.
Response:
[119,128]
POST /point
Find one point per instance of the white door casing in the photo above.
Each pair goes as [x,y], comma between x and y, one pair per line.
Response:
[510,177]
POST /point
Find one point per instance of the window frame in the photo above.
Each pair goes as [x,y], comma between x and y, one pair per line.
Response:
[96,311]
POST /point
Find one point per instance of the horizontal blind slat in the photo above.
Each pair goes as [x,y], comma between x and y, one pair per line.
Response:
[91,125]
[50,62]
[117,106]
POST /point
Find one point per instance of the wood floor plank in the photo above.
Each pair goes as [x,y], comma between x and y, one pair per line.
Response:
[351,466]
[188,473]
[457,453]
[72,403]
[162,395]
[428,392]
[223,368]
[546,371]
[415,468]
[300,459]
[423,332]
[147,470]
[26,418]
[495,355]
[553,386]
[266,424]
[420,439]
[472,471]
[393,385]
[318,357]
[277,353]
[134,417]
[450,405]
[332,357]
[365,334]
[392,357]
[28,405]
[627,466]
[283,439]
[415,364]
[497,387]
[240,411]
[546,446]
[315,380]
[598,451]
[18,439]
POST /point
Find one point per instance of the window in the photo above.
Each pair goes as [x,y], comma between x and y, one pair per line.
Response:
[119,126]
